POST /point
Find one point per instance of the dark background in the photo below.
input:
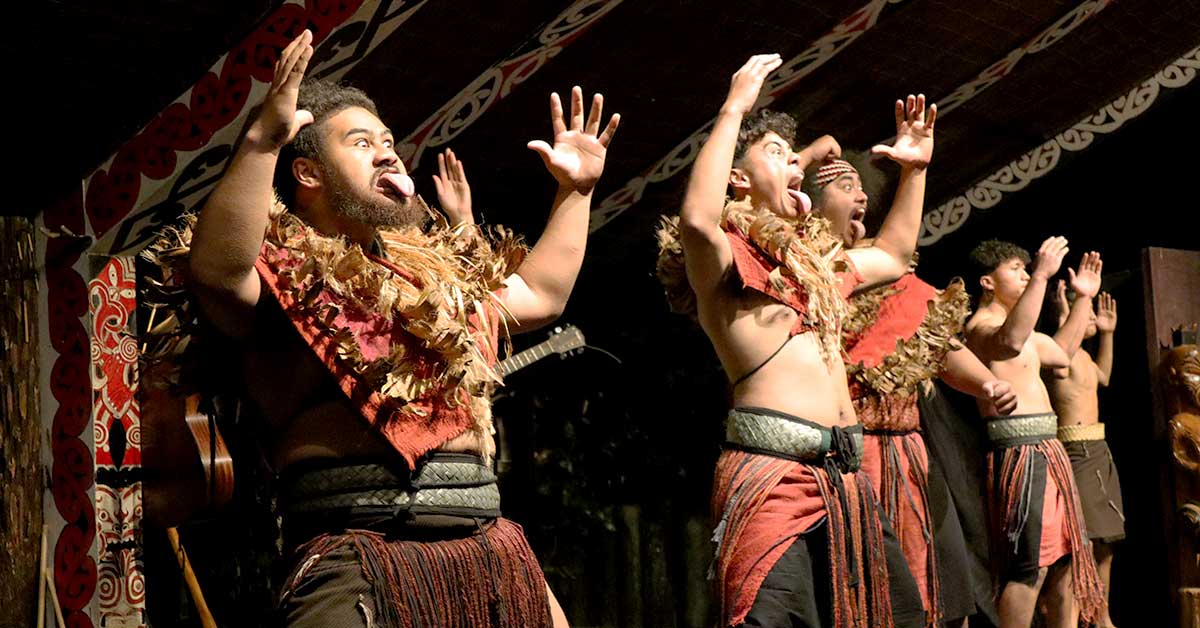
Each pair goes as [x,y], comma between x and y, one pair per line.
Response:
[609,464]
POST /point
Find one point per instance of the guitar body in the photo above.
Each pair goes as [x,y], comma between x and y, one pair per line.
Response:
[187,467]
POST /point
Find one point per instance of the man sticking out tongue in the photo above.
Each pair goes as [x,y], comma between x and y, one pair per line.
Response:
[366,337]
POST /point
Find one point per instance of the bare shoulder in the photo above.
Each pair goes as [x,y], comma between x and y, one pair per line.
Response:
[983,323]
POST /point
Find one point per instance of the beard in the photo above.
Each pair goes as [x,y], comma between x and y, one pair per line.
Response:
[374,210]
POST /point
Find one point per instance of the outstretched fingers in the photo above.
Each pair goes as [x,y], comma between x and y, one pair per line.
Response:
[609,131]
[556,114]
[576,108]
[593,121]
[293,61]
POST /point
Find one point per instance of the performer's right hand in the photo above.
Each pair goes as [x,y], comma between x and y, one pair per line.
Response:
[748,81]
[278,121]
[1050,257]
[1001,395]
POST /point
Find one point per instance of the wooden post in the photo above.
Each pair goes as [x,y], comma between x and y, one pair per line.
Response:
[20,425]
[1171,280]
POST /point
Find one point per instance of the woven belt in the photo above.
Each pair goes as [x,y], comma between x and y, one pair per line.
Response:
[777,434]
[458,483]
[1022,430]
[1068,433]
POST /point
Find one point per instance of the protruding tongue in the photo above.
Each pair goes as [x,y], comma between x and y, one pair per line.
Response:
[805,202]
[401,183]
[802,199]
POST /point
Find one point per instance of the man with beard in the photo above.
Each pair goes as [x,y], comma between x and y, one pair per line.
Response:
[367,342]
[898,337]
[1073,395]
[799,539]
[1036,526]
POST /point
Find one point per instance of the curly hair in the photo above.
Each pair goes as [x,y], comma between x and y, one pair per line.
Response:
[758,124]
[991,253]
[323,99]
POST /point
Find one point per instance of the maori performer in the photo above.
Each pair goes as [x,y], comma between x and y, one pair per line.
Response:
[800,539]
[897,338]
[1073,395]
[1036,525]
[366,335]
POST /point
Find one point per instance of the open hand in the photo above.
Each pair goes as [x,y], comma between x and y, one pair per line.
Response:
[453,191]
[1001,395]
[1050,256]
[748,81]
[577,158]
[913,147]
[1086,282]
[1106,313]
[278,120]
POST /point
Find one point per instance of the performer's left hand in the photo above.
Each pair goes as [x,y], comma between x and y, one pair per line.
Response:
[1106,313]
[1000,393]
[453,191]
[1086,282]
[913,147]
[576,159]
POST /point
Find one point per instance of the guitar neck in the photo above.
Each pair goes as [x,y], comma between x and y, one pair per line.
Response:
[524,358]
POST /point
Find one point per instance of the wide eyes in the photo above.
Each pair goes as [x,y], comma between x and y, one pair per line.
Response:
[363,142]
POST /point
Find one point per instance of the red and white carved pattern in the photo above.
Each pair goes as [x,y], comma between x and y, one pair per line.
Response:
[1038,162]
[781,82]
[497,81]
[1005,66]
[66,412]
[175,160]
[114,353]
[112,300]
[121,586]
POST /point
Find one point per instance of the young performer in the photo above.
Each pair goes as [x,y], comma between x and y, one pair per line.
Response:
[800,538]
[1073,395]
[1036,525]
[898,337]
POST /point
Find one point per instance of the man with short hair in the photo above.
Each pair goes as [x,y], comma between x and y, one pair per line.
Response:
[1037,533]
[899,337]
[800,540]
[367,339]
[1073,395]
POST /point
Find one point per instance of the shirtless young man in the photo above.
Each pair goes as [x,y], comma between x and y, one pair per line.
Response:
[1073,395]
[768,298]
[898,338]
[367,342]
[1034,505]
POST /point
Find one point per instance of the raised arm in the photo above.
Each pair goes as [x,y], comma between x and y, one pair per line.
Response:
[1086,284]
[231,225]
[1106,325]
[966,374]
[706,251]
[1004,340]
[887,259]
[537,292]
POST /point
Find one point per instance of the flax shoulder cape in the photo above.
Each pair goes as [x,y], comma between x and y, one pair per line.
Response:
[410,336]
[896,336]
[795,262]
